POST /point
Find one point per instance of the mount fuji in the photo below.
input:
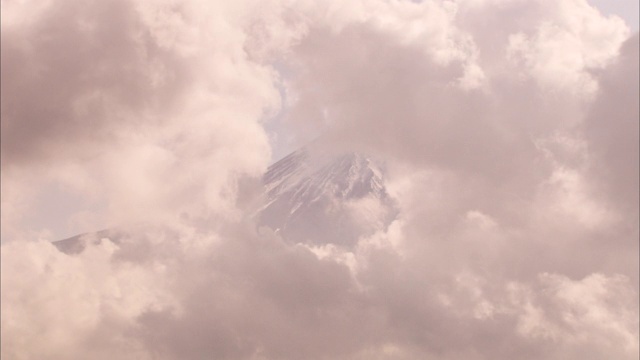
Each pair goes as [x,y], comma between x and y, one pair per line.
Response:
[325,198]
[311,197]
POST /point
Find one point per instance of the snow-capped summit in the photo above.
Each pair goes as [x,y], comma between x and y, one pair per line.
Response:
[326,198]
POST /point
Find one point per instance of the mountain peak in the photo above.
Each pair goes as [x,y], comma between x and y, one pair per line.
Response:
[310,197]
[325,197]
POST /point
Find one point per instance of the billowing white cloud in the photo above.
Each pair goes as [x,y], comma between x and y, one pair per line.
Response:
[510,134]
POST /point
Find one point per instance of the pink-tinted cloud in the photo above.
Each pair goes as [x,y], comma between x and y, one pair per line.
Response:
[509,132]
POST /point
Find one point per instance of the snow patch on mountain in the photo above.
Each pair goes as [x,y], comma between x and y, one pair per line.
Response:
[326,198]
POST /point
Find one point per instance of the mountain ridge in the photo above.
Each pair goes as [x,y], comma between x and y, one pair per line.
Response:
[310,196]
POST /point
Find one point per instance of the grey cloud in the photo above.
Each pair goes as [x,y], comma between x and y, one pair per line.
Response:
[74,73]
[612,129]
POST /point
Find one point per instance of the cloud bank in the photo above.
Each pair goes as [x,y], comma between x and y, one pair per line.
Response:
[510,131]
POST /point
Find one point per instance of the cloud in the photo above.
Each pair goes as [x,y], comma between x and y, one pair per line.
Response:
[510,134]
[113,99]
[611,129]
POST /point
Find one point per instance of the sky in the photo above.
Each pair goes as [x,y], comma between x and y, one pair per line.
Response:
[628,10]
[510,131]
